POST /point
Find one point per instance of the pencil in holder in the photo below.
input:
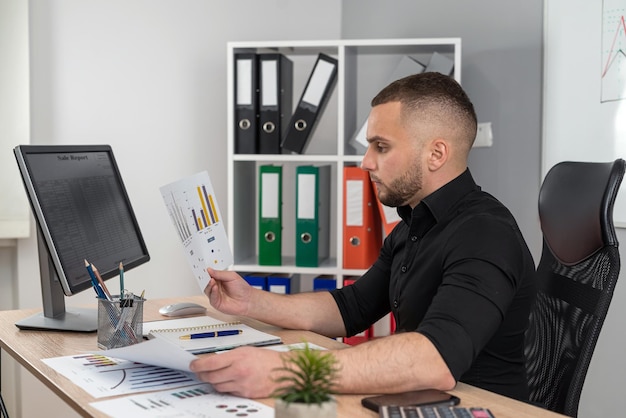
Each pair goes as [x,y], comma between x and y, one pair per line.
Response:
[120,322]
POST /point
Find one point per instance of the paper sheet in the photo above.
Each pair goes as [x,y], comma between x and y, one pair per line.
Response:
[102,376]
[199,401]
[157,352]
[195,214]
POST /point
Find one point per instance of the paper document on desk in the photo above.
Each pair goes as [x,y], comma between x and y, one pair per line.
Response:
[157,352]
[101,374]
[193,209]
[192,401]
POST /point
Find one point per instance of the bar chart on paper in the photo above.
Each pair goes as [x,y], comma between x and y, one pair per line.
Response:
[196,217]
[103,376]
[198,401]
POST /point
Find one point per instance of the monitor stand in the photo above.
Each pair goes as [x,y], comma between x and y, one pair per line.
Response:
[54,316]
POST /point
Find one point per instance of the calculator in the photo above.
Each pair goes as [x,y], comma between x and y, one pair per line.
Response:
[392,411]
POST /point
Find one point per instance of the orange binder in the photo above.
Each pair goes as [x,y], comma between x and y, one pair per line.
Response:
[362,231]
[388,216]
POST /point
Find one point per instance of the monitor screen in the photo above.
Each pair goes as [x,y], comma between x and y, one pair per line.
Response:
[82,212]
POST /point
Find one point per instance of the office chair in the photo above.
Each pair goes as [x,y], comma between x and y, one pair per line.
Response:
[3,411]
[576,275]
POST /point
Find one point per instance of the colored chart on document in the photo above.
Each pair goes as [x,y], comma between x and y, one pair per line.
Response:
[195,214]
[199,401]
[102,376]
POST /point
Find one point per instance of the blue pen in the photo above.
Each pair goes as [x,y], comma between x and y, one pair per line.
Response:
[211,334]
[121,280]
[94,281]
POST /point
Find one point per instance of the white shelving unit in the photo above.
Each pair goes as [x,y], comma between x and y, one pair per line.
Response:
[364,66]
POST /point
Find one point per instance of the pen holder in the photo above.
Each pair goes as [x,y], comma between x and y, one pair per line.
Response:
[120,322]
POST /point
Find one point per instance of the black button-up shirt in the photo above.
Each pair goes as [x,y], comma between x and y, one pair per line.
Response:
[458,271]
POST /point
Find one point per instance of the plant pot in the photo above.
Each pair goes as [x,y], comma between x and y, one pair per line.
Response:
[305,410]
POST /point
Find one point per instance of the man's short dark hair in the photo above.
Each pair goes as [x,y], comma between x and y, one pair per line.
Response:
[435,96]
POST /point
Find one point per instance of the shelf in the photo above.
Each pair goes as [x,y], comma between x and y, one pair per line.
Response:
[364,66]
[327,266]
[286,158]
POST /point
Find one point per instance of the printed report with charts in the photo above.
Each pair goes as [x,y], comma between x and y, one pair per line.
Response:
[194,212]
[173,329]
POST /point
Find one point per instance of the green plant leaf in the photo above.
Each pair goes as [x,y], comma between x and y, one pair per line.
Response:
[309,377]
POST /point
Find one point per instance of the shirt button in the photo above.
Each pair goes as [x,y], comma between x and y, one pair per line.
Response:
[413,238]
[395,304]
[403,269]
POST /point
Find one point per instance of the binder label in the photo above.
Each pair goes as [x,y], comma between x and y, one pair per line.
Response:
[269,197]
[244,82]
[319,80]
[306,196]
[269,83]
[354,203]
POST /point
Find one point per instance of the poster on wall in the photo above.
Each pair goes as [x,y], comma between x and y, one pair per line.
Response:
[584,98]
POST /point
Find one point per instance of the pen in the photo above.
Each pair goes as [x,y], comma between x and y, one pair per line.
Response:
[211,334]
[94,281]
[121,280]
[102,285]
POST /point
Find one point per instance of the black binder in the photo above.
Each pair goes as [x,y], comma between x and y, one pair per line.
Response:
[275,100]
[246,99]
[311,105]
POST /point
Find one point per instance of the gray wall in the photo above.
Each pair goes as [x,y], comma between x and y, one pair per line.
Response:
[501,72]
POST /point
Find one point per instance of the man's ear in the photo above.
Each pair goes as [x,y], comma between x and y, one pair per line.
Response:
[439,154]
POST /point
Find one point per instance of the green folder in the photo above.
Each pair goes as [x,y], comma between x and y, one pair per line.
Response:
[270,215]
[312,214]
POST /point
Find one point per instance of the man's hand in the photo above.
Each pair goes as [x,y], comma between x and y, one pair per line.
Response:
[397,363]
[228,292]
[245,371]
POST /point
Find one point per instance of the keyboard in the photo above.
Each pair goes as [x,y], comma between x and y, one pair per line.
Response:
[392,411]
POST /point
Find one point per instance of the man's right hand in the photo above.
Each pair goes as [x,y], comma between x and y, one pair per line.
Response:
[228,292]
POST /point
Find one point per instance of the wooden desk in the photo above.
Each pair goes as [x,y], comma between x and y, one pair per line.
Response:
[29,347]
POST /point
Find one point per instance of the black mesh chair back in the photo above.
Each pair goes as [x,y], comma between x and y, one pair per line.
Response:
[576,276]
[3,410]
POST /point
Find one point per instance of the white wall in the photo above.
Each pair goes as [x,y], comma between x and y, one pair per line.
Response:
[14,114]
[14,128]
[147,77]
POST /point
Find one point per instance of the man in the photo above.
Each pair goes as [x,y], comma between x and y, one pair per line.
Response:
[456,273]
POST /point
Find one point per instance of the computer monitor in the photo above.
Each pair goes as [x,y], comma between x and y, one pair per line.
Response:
[82,212]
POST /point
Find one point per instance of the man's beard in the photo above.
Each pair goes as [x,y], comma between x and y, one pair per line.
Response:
[402,189]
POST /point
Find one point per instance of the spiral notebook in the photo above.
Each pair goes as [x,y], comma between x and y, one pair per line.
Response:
[173,329]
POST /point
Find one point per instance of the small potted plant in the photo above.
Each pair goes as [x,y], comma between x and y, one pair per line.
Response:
[308,376]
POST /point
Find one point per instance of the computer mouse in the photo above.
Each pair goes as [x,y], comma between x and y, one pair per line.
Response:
[182,308]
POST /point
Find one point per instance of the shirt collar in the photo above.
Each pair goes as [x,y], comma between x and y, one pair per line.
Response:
[442,200]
